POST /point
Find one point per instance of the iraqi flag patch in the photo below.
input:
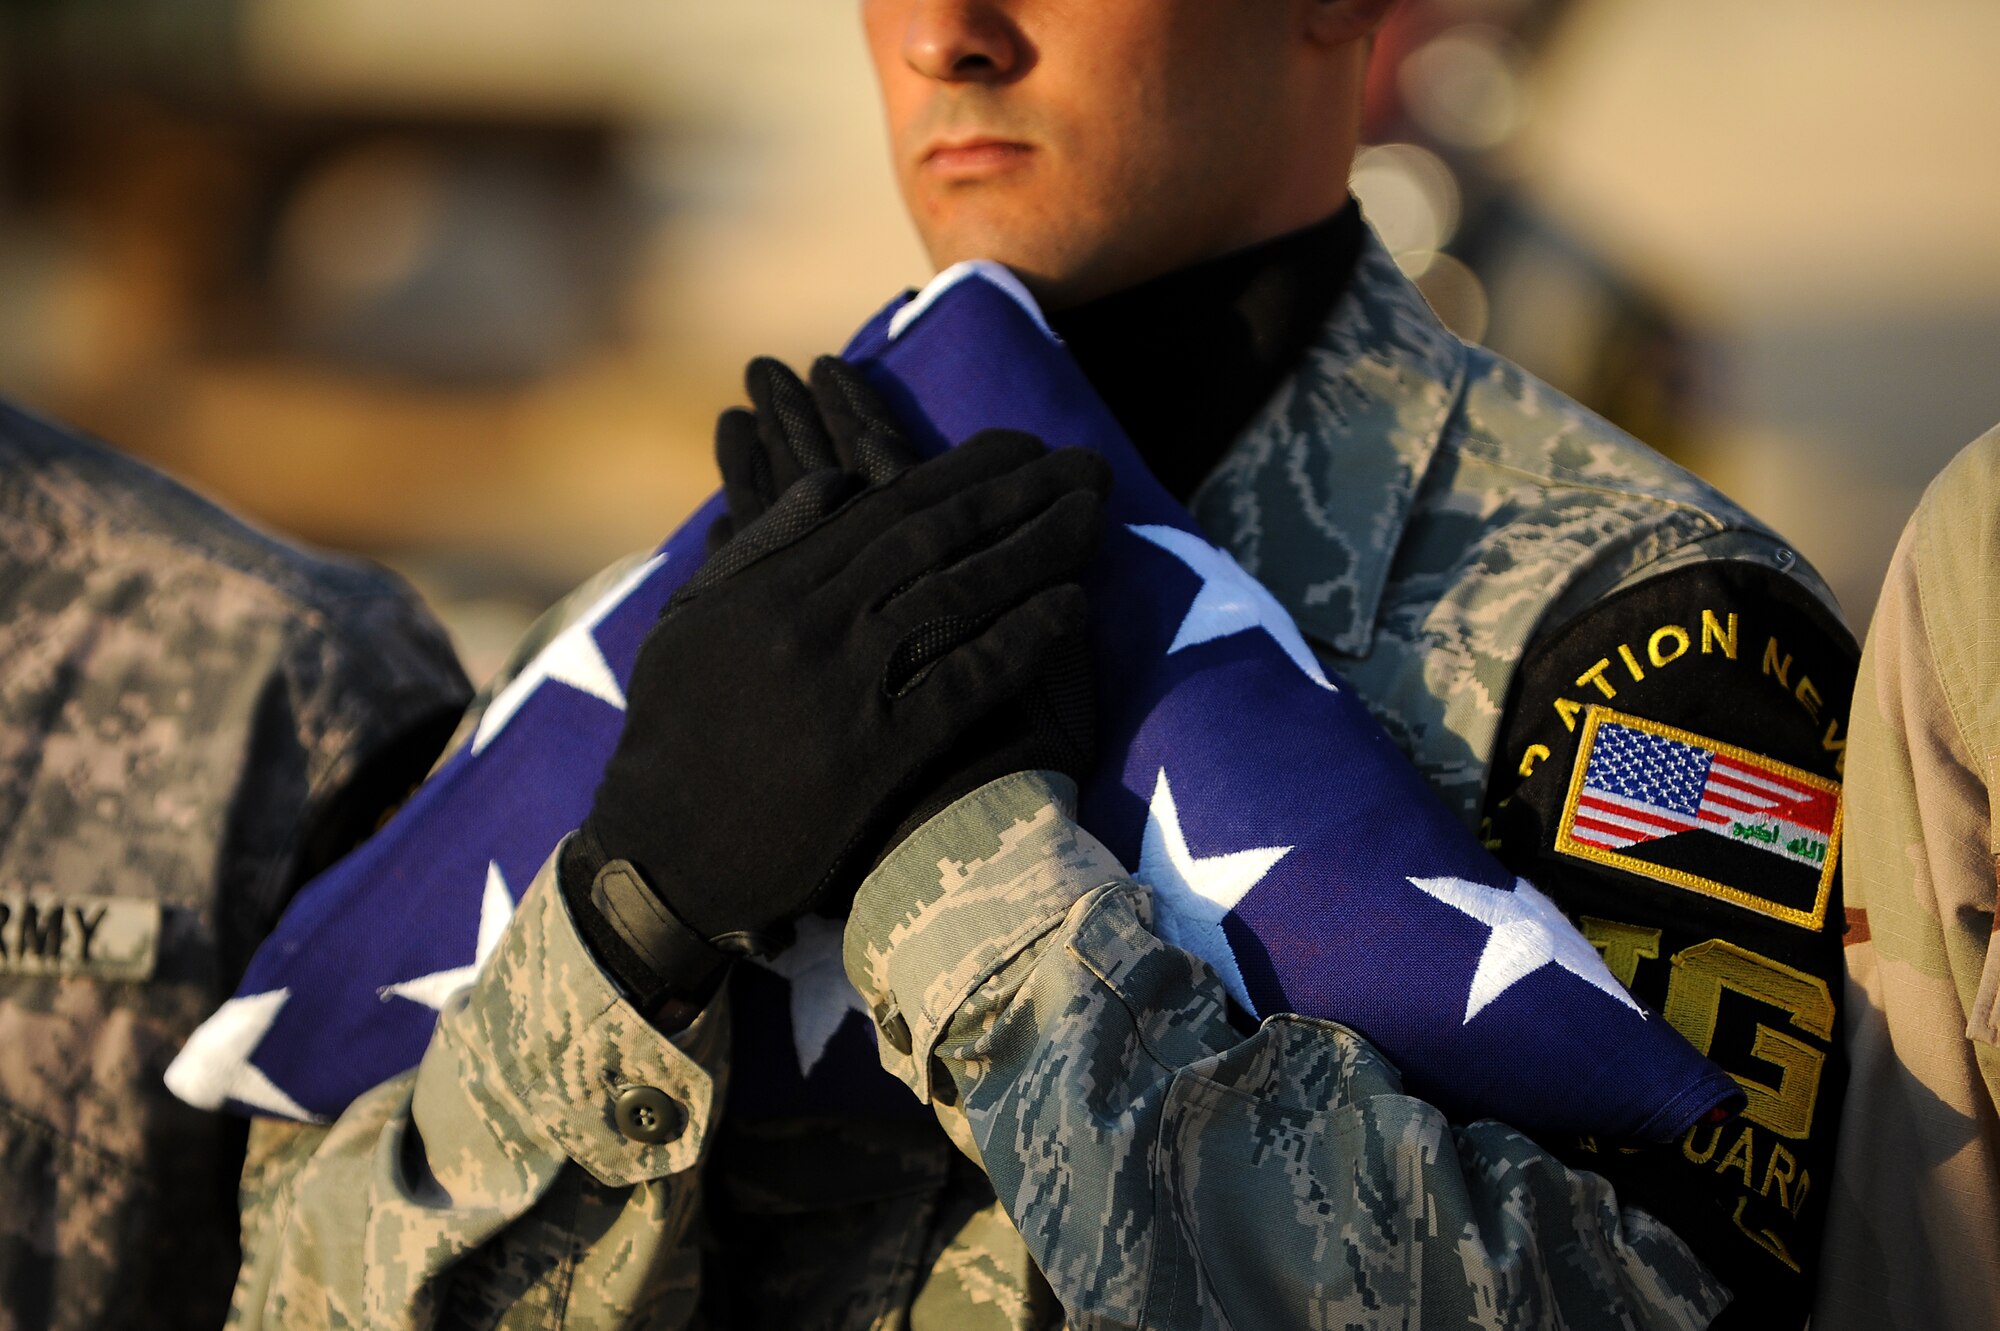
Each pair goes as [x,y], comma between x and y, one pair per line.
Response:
[1703,815]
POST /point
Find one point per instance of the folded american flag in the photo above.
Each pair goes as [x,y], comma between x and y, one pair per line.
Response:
[1287,841]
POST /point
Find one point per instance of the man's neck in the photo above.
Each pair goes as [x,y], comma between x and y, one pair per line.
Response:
[1187,359]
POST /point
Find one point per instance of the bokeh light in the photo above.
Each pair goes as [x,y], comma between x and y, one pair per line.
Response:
[1409,196]
[1466,88]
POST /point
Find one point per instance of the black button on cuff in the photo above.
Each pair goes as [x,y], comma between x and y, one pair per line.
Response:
[648,1115]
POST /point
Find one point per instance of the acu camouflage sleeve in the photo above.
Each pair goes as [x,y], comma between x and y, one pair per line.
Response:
[1167,1172]
[494,1186]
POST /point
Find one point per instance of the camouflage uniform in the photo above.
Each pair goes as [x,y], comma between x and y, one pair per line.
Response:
[1490,567]
[1421,508]
[191,716]
[1914,1238]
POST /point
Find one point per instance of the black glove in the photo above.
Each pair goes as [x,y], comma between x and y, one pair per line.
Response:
[840,424]
[833,673]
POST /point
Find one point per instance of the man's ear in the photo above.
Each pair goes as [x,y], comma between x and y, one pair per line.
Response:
[1337,22]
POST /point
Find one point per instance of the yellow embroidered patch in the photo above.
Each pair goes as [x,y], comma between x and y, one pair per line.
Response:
[1703,815]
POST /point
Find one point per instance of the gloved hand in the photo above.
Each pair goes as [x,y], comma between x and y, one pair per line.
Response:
[840,424]
[851,659]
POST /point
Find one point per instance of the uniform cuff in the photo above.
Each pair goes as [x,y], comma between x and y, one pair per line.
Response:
[960,898]
[544,1048]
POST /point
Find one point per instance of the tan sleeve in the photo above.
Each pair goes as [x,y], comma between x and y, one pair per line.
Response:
[1913,1239]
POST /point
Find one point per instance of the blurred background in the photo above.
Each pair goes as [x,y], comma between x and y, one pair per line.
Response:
[461,286]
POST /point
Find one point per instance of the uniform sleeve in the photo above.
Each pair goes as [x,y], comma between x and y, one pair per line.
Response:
[1670,772]
[539,1168]
[1165,1170]
[1914,1227]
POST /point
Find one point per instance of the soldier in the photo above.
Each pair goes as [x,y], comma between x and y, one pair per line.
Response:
[1525,597]
[193,719]
[1915,1221]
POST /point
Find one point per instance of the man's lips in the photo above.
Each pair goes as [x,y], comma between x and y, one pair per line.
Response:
[966,159]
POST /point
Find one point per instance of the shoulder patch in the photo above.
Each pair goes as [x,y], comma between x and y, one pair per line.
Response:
[1692,731]
[1673,805]
[1669,773]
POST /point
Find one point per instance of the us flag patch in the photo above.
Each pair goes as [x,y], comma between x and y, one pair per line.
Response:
[1706,816]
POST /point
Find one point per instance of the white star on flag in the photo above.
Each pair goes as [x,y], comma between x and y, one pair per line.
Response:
[1192,895]
[496,909]
[1529,932]
[1230,601]
[214,1065]
[572,657]
[821,994]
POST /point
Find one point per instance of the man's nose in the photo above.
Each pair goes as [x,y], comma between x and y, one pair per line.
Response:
[963,41]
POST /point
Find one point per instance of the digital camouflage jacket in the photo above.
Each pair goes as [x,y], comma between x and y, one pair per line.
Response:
[1506,581]
[1433,518]
[192,718]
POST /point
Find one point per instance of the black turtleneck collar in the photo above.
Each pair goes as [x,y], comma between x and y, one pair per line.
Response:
[1185,360]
